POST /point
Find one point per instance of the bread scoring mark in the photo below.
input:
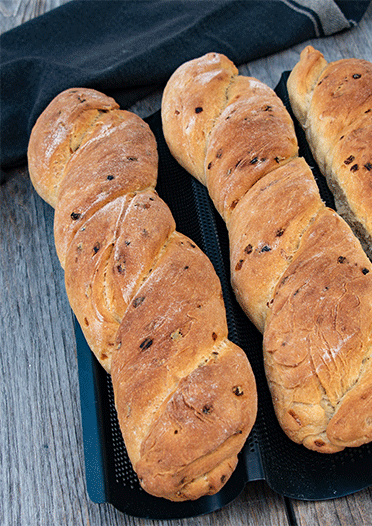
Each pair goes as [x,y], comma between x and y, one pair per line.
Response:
[321,81]
[337,92]
[231,112]
[75,141]
[158,257]
[295,417]
[223,107]
[88,290]
[110,306]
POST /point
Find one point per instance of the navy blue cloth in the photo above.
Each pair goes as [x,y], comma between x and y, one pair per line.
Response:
[127,49]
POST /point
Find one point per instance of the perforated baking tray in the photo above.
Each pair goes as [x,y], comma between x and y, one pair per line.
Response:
[289,469]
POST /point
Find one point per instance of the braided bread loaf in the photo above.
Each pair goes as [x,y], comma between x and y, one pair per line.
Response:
[296,268]
[148,300]
[333,103]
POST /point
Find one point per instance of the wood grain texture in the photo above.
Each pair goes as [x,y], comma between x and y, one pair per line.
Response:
[42,475]
[16,12]
[353,510]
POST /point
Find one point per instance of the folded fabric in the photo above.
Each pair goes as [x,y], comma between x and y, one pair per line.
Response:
[128,49]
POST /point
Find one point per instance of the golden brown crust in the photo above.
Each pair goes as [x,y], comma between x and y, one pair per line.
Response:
[218,411]
[263,239]
[296,268]
[336,112]
[207,110]
[352,423]
[231,167]
[167,346]
[302,81]
[349,177]
[122,158]
[342,94]
[318,332]
[107,261]
[175,370]
[147,298]
[57,134]
[189,112]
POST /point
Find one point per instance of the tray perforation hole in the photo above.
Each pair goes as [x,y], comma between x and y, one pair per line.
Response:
[252,442]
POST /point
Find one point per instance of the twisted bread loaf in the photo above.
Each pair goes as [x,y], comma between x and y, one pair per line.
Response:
[296,267]
[333,103]
[148,300]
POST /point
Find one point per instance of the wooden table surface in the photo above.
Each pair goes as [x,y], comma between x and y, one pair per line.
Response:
[42,474]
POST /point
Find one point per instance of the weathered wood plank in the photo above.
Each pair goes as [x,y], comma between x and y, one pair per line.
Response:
[353,510]
[39,402]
